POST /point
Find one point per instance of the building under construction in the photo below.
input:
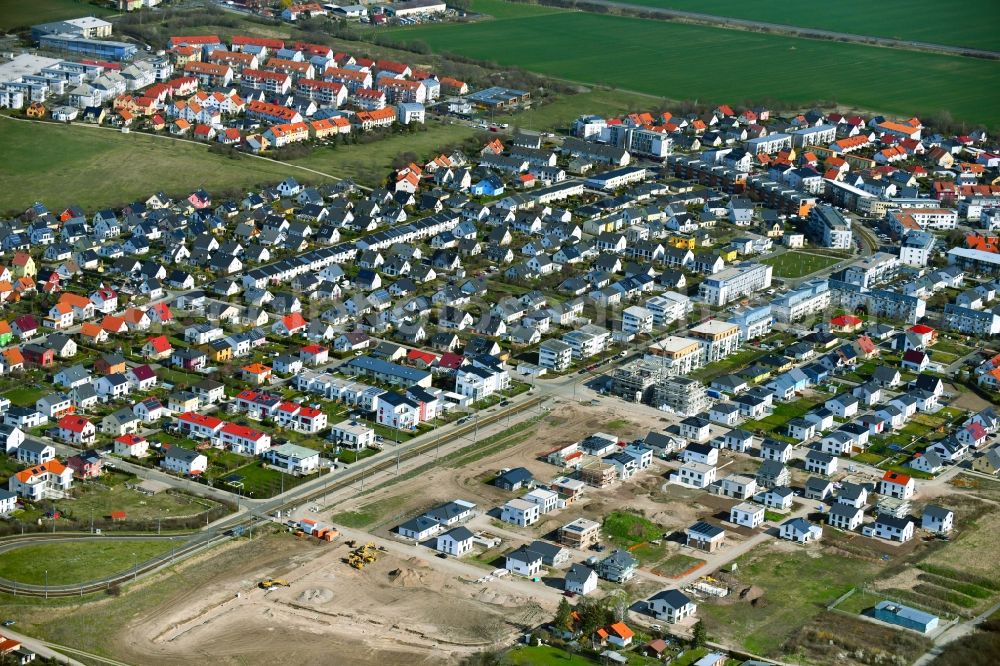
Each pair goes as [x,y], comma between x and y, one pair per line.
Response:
[598,474]
[682,395]
[634,381]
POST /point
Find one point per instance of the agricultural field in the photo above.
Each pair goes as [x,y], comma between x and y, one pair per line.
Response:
[57,165]
[20,14]
[798,264]
[971,24]
[77,562]
[681,61]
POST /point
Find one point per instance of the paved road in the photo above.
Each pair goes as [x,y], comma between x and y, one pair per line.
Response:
[45,649]
[815,33]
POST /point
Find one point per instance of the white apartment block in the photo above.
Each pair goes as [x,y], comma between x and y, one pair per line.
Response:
[637,320]
[588,341]
[826,227]
[555,355]
[669,307]
[811,298]
[735,282]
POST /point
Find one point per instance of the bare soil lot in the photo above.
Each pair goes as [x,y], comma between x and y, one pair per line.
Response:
[399,610]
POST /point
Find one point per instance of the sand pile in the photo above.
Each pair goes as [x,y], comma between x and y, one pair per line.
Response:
[319,595]
[406,577]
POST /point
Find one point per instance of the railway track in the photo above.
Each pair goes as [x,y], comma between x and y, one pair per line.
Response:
[223,531]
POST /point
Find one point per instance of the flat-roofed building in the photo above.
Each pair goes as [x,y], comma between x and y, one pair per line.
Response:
[718,339]
[581,533]
[677,355]
[735,282]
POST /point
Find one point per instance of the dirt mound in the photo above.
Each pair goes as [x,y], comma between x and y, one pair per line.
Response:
[316,596]
[751,594]
[417,562]
[406,577]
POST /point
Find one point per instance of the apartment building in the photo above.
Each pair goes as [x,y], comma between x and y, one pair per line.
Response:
[827,227]
[718,339]
[637,320]
[669,307]
[555,355]
[676,355]
[809,299]
[735,282]
[587,341]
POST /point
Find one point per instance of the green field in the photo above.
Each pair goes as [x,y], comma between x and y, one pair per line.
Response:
[370,513]
[77,562]
[60,165]
[630,528]
[796,585]
[25,13]
[969,24]
[715,65]
[798,264]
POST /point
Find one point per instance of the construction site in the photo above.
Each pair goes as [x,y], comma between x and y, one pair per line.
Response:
[651,382]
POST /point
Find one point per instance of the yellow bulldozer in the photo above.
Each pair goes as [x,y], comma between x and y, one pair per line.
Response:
[269,583]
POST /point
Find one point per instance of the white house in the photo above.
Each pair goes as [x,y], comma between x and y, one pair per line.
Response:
[895,484]
[293,458]
[671,606]
[937,519]
[520,512]
[747,515]
[800,530]
[456,542]
[524,562]
[580,579]
[184,461]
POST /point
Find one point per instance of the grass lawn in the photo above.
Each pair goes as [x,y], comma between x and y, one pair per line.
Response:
[868,458]
[676,565]
[25,396]
[348,456]
[694,62]
[737,361]
[782,414]
[546,655]
[689,657]
[137,507]
[77,562]
[55,164]
[370,513]
[630,528]
[797,264]
[260,481]
[796,585]
[859,602]
[559,113]
[924,20]
[20,14]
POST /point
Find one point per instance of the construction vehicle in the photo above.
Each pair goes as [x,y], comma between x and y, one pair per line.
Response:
[362,555]
[269,583]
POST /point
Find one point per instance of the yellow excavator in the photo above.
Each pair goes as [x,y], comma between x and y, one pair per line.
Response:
[269,583]
[362,555]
